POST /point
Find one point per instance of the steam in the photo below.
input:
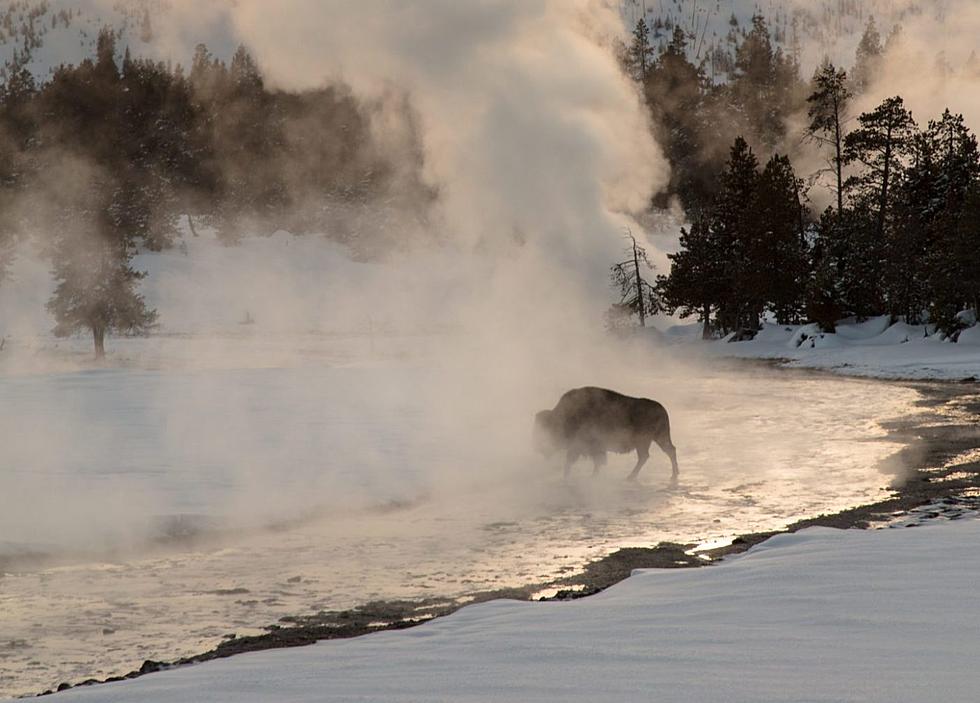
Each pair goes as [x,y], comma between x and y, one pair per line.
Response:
[929,64]
[539,152]
[531,133]
[929,59]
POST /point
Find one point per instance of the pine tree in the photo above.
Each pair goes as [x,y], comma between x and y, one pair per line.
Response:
[732,226]
[824,295]
[765,87]
[908,234]
[952,242]
[868,58]
[777,266]
[694,285]
[96,288]
[18,127]
[640,55]
[880,145]
[965,245]
[676,93]
[828,113]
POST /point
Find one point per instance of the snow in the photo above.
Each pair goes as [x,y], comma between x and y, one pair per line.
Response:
[873,348]
[970,337]
[820,615]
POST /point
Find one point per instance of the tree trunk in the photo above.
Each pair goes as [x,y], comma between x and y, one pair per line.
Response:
[190,223]
[706,316]
[98,335]
[639,286]
[883,204]
[839,160]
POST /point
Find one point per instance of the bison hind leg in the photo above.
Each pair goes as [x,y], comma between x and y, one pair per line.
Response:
[671,451]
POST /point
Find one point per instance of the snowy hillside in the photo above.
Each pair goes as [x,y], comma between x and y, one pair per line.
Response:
[808,30]
[65,31]
[55,32]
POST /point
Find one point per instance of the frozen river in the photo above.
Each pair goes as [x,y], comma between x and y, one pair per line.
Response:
[185,504]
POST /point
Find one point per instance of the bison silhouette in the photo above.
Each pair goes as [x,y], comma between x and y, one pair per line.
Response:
[592,421]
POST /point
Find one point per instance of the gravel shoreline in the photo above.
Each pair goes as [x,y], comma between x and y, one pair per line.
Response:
[929,481]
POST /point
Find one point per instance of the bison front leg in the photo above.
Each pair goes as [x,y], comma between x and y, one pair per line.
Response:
[642,454]
[598,461]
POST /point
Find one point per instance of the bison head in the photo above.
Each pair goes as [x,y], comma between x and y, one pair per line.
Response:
[545,441]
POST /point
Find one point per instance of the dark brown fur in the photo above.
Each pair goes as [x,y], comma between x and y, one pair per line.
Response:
[592,421]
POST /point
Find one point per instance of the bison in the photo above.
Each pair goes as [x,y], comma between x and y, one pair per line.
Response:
[592,421]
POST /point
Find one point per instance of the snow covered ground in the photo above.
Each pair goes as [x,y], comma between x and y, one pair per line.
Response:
[874,348]
[820,615]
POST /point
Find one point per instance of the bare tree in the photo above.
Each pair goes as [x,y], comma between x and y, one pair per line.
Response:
[636,295]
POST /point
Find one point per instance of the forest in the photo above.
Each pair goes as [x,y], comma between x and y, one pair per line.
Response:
[110,155]
[114,154]
[899,238]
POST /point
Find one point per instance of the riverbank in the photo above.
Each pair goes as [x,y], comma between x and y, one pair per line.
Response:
[936,476]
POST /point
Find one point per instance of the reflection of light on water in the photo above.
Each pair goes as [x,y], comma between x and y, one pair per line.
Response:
[710,544]
[756,453]
[971,456]
[954,476]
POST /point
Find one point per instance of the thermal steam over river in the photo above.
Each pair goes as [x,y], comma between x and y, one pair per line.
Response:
[321,484]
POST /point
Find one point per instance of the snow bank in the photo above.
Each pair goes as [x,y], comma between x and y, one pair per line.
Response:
[970,337]
[851,329]
[872,348]
[821,615]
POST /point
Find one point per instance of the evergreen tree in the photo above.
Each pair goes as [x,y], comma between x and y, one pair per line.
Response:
[908,234]
[828,105]
[96,288]
[952,241]
[824,294]
[964,245]
[18,128]
[732,226]
[640,55]
[868,57]
[676,93]
[694,285]
[880,145]
[777,266]
[765,87]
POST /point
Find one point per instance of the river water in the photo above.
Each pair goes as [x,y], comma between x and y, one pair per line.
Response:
[185,504]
